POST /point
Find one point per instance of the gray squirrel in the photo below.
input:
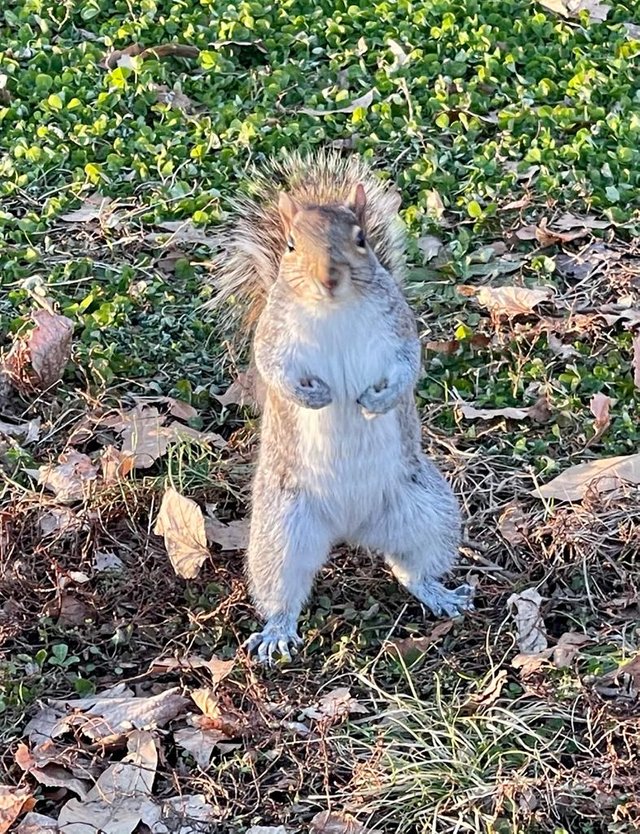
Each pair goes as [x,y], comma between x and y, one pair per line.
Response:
[313,259]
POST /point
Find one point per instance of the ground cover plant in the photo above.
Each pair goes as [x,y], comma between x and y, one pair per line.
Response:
[127,435]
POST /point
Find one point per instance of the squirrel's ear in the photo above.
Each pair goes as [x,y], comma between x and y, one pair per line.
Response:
[288,209]
[358,202]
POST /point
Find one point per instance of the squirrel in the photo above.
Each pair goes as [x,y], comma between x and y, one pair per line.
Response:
[313,258]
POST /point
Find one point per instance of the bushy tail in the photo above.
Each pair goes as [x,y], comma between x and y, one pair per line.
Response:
[252,240]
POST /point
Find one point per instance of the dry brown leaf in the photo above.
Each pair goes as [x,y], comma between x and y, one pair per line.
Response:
[470,412]
[184,231]
[180,815]
[529,664]
[13,802]
[569,221]
[532,637]
[48,772]
[558,348]
[218,669]
[410,648]
[636,360]
[266,829]
[95,207]
[430,246]
[37,824]
[513,523]
[491,692]
[180,409]
[199,743]
[115,465]
[181,523]
[598,11]
[116,711]
[29,432]
[241,392]
[42,726]
[599,406]
[613,313]
[327,822]
[60,521]
[448,347]
[231,536]
[622,683]
[38,358]
[69,610]
[601,475]
[116,804]
[362,101]
[144,436]
[512,301]
[71,479]
[568,647]
[335,704]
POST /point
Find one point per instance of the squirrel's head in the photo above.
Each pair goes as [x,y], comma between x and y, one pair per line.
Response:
[326,254]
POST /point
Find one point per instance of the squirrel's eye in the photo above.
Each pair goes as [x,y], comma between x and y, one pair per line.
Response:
[290,244]
[360,242]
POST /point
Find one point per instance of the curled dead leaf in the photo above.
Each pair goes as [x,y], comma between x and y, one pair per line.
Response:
[38,358]
[94,207]
[231,536]
[410,648]
[599,406]
[513,523]
[531,632]
[28,432]
[568,647]
[71,478]
[181,523]
[512,301]
[599,476]
[539,412]
[558,348]
[13,803]
[328,822]
[335,704]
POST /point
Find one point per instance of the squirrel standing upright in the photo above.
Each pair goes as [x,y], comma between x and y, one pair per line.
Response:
[315,255]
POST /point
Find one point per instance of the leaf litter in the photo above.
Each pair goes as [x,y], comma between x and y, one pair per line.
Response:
[181,523]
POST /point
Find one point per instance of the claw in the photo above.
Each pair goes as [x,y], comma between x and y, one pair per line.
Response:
[279,636]
[440,600]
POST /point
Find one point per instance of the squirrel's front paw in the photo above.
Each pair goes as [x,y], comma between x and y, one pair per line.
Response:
[380,398]
[313,392]
[279,636]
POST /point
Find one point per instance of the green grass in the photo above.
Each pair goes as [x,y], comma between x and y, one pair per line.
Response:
[475,106]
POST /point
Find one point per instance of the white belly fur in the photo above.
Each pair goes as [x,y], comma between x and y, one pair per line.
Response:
[347,460]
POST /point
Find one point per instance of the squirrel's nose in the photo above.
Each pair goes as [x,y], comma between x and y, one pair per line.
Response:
[332,278]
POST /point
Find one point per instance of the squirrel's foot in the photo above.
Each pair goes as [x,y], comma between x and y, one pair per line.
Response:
[313,392]
[279,636]
[379,399]
[440,600]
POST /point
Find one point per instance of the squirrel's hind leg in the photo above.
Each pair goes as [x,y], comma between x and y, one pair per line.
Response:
[288,544]
[418,531]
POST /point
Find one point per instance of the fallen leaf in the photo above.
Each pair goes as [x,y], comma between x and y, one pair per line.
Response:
[181,523]
[528,664]
[29,432]
[48,772]
[599,406]
[558,348]
[71,479]
[512,301]
[266,829]
[569,221]
[636,360]
[231,536]
[117,802]
[60,521]
[430,246]
[400,57]
[180,815]
[181,409]
[116,465]
[69,610]
[571,8]
[613,313]
[435,206]
[241,392]
[144,436]
[37,824]
[622,683]
[531,632]
[116,711]
[410,648]
[13,802]
[447,347]
[104,560]
[633,31]
[327,822]
[491,692]
[335,704]
[568,647]
[362,101]
[43,726]
[513,523]
[199,743]
[601,475]
[184,231]
[95,207]
[217,668]
[38,358]
[470,412]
